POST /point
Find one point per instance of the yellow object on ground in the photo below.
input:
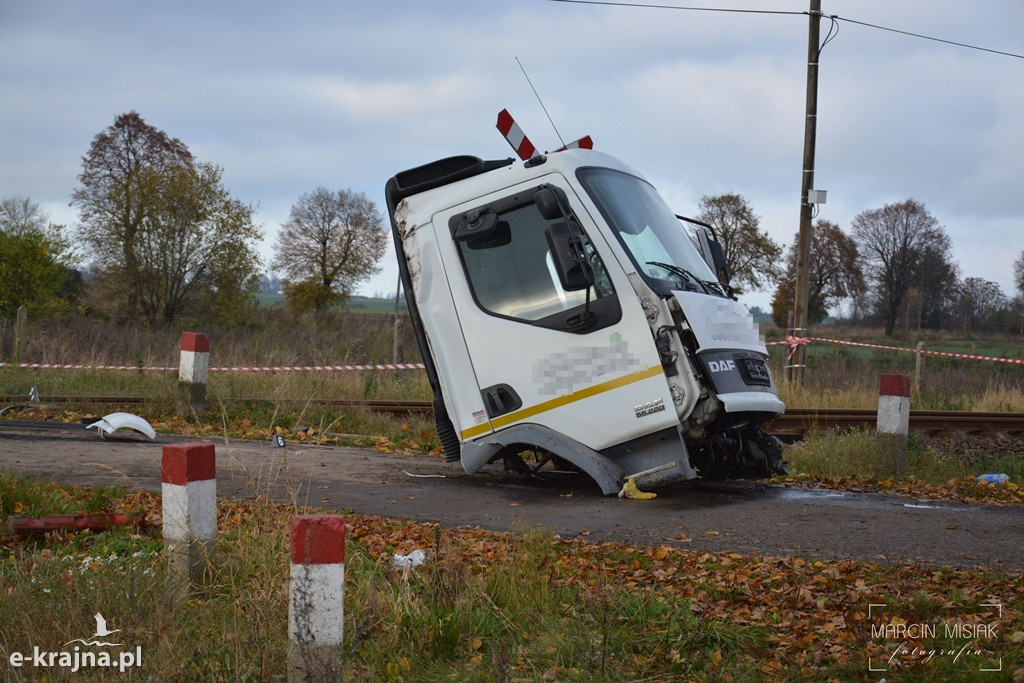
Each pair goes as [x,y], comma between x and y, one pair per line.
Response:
[629,490]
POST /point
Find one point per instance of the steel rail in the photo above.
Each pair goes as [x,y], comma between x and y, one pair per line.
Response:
[794,423]
[798,421]
[375,405]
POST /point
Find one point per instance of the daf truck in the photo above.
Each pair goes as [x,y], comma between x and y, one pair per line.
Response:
[568,318]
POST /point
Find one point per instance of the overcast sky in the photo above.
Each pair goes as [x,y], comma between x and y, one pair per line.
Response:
[290,96]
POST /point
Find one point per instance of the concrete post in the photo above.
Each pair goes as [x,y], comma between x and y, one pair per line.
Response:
[20,332]
[190,513]
[396,349]
[316,598]
[919,367]
[193,368]
[893,424]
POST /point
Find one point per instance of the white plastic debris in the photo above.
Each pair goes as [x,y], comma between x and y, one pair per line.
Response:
[111,423]
[424,476]
[413,559]
[993,478]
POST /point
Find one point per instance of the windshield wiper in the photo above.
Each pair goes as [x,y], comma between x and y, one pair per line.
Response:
[681,272]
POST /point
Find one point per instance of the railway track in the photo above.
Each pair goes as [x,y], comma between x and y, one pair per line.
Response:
[375,405]
[798,421]
[793,425]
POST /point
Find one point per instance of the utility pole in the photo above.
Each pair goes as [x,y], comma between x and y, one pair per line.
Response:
[795,367]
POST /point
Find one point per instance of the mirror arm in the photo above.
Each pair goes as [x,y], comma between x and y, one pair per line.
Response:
[579,254]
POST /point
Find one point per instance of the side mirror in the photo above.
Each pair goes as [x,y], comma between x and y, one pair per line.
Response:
[718,257]
[710,249]
[552,202]
[574,273]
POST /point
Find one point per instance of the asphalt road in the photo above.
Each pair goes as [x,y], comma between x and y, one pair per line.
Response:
[740,517]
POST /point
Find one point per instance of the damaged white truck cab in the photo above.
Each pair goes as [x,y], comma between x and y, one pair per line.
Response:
[566,316]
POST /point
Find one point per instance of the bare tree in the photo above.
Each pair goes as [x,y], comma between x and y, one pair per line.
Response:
[895,243]
[834,274]
[1017,312]
[1018,273]
[981,304]
[20,215]
[198,256]
[753,258]
[166,236]
[331,242]
[116,196]
[938,282]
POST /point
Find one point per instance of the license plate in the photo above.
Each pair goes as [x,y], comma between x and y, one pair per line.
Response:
[755,371]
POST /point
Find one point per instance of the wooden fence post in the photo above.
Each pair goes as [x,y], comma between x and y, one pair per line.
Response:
[919,367]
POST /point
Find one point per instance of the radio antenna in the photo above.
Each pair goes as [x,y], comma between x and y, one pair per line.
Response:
[541,102]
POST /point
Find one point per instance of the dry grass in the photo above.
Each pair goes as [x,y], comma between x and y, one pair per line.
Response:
[275,338]
[837,376]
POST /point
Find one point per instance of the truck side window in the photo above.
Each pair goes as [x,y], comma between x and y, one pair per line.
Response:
[511,272]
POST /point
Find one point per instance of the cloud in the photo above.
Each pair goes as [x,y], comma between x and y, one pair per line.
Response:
[286,97]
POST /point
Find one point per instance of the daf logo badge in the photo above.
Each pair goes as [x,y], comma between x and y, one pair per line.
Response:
[649,408]
[721,365]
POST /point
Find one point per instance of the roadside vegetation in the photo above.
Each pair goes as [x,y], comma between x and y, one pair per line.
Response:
[485,606]
[489,606]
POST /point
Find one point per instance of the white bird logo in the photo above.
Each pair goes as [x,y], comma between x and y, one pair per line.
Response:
[101,632]
[101,627]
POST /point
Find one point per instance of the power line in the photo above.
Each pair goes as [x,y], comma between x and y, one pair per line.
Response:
[677,7]
[833,17]
[924,37]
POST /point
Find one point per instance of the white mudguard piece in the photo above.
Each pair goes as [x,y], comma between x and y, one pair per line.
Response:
[111,423]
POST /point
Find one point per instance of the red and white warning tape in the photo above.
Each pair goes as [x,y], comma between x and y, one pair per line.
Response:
[792,342]
[323,368]
[74,366]
[306,368]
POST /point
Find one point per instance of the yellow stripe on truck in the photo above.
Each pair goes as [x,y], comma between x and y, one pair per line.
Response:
[559,401]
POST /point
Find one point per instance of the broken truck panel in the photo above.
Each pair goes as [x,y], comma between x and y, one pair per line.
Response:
[111,423]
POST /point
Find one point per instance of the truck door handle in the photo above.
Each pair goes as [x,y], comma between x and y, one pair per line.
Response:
[500,399]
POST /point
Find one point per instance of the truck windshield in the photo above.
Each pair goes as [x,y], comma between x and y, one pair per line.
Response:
[660,248]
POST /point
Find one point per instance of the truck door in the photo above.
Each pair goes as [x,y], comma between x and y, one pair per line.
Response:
[580,362]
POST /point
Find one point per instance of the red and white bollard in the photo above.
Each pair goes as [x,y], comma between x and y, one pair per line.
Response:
[193,367]
[189,475]
[893,424]
[316,598]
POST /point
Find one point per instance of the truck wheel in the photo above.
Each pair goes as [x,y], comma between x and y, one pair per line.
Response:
[772,448]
